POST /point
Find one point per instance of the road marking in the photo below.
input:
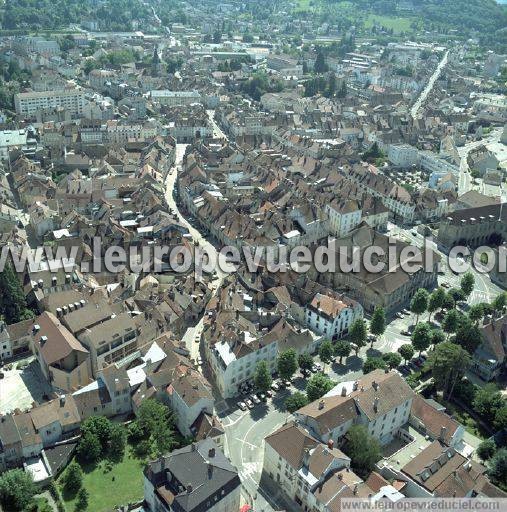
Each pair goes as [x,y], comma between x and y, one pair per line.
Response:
[253,446]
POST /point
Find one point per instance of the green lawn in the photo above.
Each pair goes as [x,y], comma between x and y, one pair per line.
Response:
[397,24]
[121,485]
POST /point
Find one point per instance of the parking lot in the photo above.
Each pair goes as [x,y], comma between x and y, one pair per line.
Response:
[22,385]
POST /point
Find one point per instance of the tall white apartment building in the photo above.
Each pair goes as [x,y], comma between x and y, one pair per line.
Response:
[28,103]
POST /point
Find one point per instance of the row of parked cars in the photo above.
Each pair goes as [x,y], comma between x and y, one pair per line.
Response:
[251,399]
[316,367]
[414,365]
[403,313]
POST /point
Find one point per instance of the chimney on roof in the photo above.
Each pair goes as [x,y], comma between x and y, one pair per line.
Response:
[375,385]
[43,340]
[62,400]
[443,433]
[189,488]
[355,488]
[375,404]
[330,444]
[344,391]
[321,404]
[211,453]
[67,278]
[40,283]
[35,328]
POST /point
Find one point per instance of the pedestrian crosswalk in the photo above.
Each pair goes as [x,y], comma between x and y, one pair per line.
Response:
[249,469]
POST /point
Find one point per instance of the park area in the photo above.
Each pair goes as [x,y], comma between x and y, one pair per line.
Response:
[110,484]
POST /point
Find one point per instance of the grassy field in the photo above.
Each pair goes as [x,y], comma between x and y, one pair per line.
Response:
[397,24]
[121,485]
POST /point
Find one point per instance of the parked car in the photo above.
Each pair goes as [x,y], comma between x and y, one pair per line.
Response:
[242,406]
[275,387]
[405,311]
[314,369]
[249,403]
[399,314]
[305,373]
[318,366]
[405,333]
[269,393]
[261,397]
[287,383]
[404,370]
[255,399]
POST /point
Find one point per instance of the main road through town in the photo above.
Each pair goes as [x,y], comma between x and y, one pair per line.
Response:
[416,107]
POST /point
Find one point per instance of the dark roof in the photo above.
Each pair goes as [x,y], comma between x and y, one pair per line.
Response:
[477,213]
[191,478]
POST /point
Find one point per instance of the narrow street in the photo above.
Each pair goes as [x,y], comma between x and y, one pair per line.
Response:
[416,107]
[244,432]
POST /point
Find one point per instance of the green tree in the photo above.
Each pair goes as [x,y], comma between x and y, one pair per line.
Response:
[476,313]
[342,349]
[419,303]
[488,399]
[73,479]
[436,301]
[373,363]
[448,363]
[305,361]
[497,468]
[467,284]
[486,449]
[407,352]
[436,336]
[296,401]
[457,295]
[331,86]
[287,364]
[449,302]
[82,500]
[317,386]
[157,422]
[358,334]
[363,450]
[451,322]
[89,448]
[392,359]
[468,335]
[326,352]
[378,323]
[13,306]
[262,377]
[421,337]
[117,441]
[500,421]
[17,489]
[320,65]
[500,302]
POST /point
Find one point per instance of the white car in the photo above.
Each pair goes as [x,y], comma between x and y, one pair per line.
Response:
[242,406]
[255,399]
[249,403]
